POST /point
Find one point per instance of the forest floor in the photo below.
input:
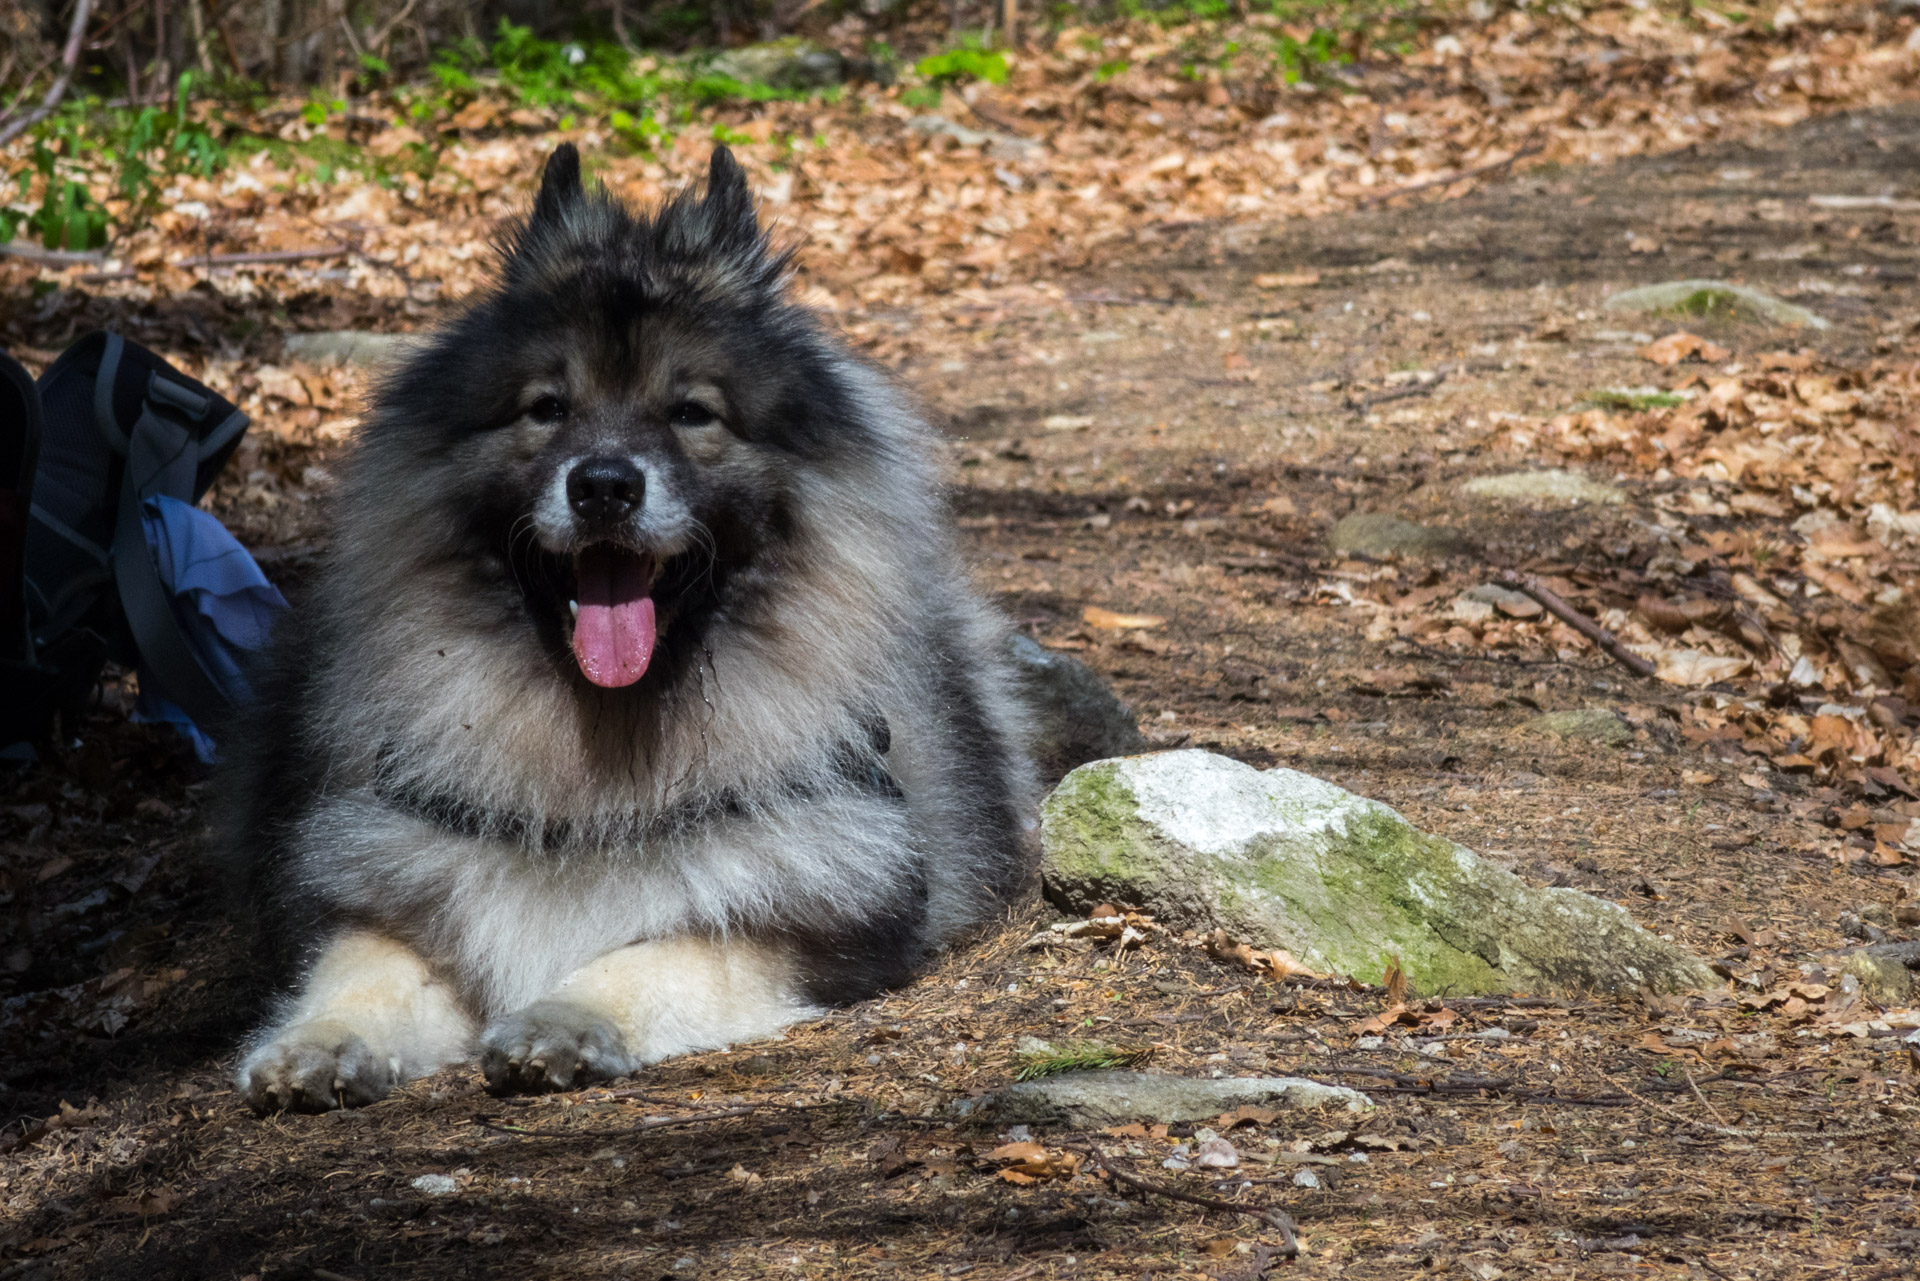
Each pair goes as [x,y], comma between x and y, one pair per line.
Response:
[1174,429]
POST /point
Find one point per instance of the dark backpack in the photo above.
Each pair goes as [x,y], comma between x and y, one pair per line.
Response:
[115,425]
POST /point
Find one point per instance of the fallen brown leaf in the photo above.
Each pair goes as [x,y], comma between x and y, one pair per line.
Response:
[1677,347]
[1094,616]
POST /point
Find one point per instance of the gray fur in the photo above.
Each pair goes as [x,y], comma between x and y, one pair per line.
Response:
[427,761]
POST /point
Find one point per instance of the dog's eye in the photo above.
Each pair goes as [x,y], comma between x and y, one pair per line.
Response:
[547,409]
[690,414]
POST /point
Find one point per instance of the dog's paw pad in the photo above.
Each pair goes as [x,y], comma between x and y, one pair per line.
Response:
[314,1067]
[551,1045]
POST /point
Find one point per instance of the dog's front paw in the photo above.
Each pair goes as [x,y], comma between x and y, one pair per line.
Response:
[553,1044]
[314,1067]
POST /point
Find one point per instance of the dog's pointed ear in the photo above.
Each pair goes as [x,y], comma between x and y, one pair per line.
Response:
[559,184]
[729,203]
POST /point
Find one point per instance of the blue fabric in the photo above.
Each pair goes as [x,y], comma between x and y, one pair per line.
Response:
[224,604]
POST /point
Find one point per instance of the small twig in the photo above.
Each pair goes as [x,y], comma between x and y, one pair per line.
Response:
[58,90]
[1462,176]
[266,256]
[1712,1111]
[653,1122]
[1275,1219]
[52,257]
[1104,299]
[646,1123]
[1408,392]
[1600,636]
[1745,1132]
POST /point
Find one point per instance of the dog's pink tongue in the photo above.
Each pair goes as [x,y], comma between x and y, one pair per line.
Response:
[613,634]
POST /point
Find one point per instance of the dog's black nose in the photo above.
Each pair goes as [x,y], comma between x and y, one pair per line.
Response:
[604,489]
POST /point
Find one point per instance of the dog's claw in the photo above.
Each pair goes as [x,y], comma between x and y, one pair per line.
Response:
[314,1067]
[553,1044]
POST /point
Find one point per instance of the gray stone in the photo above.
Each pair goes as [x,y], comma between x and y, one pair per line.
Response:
[1077,717]
[1555,486]
[788,63]
[1383,534]
[1886,971]
[1509,602]
[347,347]
[1884,978]
[1595,724]
[435,1184]
[1005,145]
[1096,1099]
[1279,859]
[1703,297]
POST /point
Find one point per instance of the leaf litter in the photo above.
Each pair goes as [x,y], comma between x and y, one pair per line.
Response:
[1772,528]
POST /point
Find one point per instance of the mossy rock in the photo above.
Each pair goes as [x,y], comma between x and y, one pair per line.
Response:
[1706,299]
[1280,859]
[1595,724]
[1384,534]
[789,63]
[1551,486]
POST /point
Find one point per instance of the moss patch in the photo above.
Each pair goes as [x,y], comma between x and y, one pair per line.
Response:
[1341,882]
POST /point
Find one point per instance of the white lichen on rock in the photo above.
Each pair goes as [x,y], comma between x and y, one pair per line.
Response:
[1284,860]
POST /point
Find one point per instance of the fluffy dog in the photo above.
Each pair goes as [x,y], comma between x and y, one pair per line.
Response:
[642,704]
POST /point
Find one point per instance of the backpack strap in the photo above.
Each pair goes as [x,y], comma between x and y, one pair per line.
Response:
[163,456]
[20,428]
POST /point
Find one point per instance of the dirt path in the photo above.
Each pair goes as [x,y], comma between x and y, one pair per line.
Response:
[1177,441]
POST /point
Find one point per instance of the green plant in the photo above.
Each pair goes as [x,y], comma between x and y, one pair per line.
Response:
[144,150]
[1078,1056]
[68,216]
[1708,302]
[1169,13]
[1300,57]
[968,62]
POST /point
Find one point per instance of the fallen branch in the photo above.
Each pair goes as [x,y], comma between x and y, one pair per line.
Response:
[652,1122]
[1275,1219]
[1747,1132]
[53,257]
[1462,176]
[69,57]
[1600,636]
[266,256]
[1712,1111]
[1408,392]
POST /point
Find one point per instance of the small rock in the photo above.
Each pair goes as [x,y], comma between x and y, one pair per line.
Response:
[1698,297]
[1557,486]
[1509,602]
[1077,717]
[1470,611]
[1216,1153]
[1595,724]
[789,63]
[347,347]
[435,1184]
[1116,1098]
[1305,1178]
[1854,926]
[1007,146]
[1883,976]
[1384,534]
[1280,859]
[1032,1046]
